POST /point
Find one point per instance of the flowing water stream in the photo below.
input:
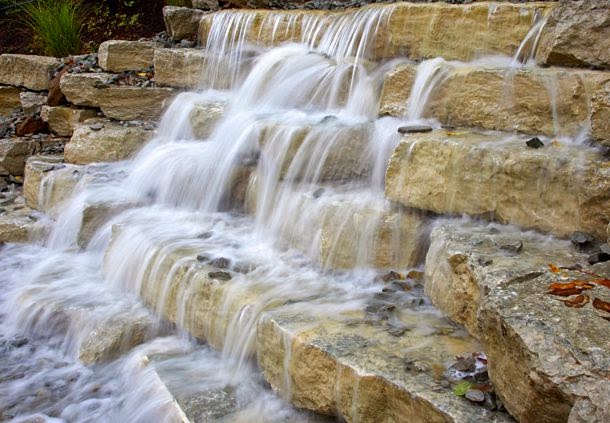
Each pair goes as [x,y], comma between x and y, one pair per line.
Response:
[287,112]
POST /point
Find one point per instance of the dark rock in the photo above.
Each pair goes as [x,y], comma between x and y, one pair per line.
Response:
[220,262]
[202,258]
[31,125]
[605,248]
[19,342]
[598,257]
[391,276]
[187,44]
[414,129]
[475,395]
[534,143]
[96,126]
[582,240]
[318,193]
[485,261]
[206,235]
[329,118]
[221,276]
[514,247]
[56,97]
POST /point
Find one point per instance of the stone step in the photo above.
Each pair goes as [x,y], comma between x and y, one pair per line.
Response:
[120,55]
[117,102]
[318,349]
[559,188]
[94,327]
[102,140]
[182,23]
[410,30]
[19,223]
[28,71]
[552,101]
[341,228]
[549,362]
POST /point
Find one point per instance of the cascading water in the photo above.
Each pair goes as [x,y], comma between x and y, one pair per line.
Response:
[300,126]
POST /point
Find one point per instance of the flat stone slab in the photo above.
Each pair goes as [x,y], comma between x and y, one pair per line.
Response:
[182,22]
[332,361]
[105,141]
[19,223]
[134,103]
[29,71]
[82,89]
[342,230]
[558,188]
[15,151]
[121,55]
[404,29]
[552,101]
[548,361]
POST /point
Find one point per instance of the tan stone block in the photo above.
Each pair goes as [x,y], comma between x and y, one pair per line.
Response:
[82,89]
[558,188]
[119,55]
[32,72]
[9,100]
[182,22]
[134,103]
[61,119]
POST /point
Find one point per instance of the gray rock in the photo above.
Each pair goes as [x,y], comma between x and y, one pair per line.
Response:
[414,129]
[475,395]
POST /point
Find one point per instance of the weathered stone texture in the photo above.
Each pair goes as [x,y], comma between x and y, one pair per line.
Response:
[9,100]
[61,119]
[577,33]
[134,103]
[81,89]
[113,142]
[559,188]
[22,70]
[119,55]
[182,22]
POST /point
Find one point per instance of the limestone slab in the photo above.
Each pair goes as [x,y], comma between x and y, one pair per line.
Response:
[61,119]
[558,188]
[81,89]
[600,116]
[29,71]
[32,102]
[577,34]
[182,22]
[538,101]
[332,364]
[15,151]
[121,55]
[204,117]
[113,142]
[548,362]
[9,100]
[36,168]
[134,103]
[412,30]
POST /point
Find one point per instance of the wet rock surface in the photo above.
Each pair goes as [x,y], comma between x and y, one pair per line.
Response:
[451,172]
[111,142]
[517,307]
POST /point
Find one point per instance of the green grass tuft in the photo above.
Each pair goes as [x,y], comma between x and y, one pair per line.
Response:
[56,25]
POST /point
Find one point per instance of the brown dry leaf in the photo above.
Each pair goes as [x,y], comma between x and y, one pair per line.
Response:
[604,282]
[554,268]
[577,302]
[601,305]
[568,289]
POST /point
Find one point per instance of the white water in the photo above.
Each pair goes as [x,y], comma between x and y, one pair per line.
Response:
[289,110]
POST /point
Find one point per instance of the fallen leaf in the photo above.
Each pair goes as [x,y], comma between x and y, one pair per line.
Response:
[601,305]
[461,388]
[604,282]
[577,302]
[570,288]
[554,268]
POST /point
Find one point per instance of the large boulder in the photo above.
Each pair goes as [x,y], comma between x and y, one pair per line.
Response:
[558,188]
[577,33]
[10,100]
[182,22]
[61,119]
[104,141]
[32,72]
[119,55]
[547,355]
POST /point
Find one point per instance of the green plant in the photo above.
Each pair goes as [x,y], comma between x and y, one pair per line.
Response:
[56,25]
